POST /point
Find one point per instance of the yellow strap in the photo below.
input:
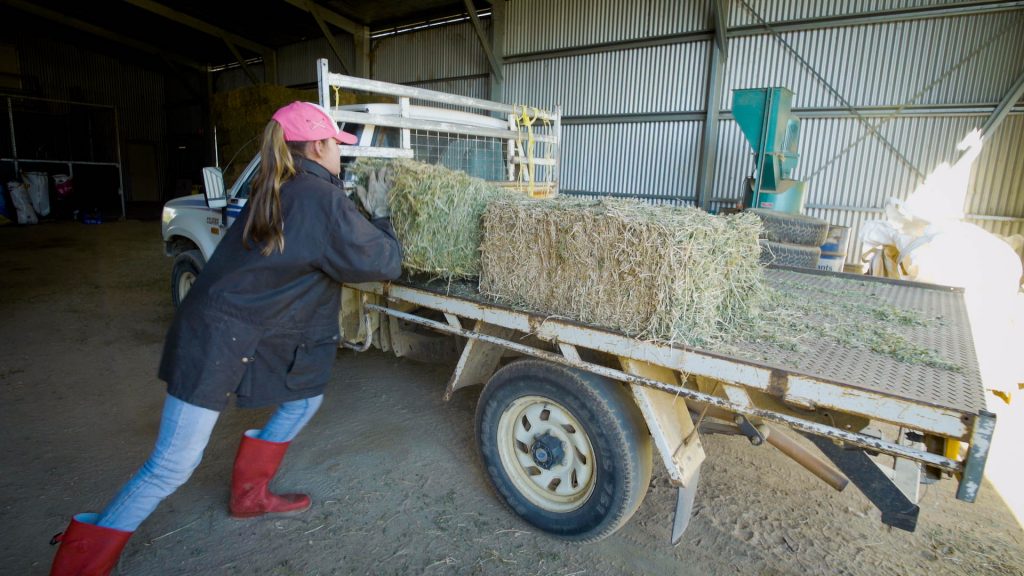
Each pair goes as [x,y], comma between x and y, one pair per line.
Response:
[337,95]
[525,120]
[1004,396]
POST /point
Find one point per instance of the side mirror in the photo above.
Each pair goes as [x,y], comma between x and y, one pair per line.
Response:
[213,186]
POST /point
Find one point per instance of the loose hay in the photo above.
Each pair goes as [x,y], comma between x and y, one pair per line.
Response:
[653,272]
[436,214]
[796,312]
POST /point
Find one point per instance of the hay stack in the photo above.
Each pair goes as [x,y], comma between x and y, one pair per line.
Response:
[436,213]
[240,116]
[654,272]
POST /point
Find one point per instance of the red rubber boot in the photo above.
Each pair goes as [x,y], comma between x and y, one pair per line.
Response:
[87,549]
[255,465]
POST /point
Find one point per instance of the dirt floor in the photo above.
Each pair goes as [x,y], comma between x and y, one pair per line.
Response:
[392,468]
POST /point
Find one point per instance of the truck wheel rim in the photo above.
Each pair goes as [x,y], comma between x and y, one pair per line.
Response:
[560,485]
[185,281]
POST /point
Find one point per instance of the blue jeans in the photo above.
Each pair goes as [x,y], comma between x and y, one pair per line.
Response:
[184,432]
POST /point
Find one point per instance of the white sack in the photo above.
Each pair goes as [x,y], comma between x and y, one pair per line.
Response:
[22,204]
[39,191]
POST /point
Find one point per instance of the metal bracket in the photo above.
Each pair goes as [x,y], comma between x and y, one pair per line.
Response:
[669,422]
[749,430]
[974,465]
[479,359]
[897,509]
[684,508]
[366,330]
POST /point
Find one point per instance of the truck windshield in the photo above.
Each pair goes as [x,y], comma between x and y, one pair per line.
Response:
[356,129]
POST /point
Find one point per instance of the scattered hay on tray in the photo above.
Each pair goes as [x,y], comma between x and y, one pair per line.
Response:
[794,312]
[654,272]
[436,214]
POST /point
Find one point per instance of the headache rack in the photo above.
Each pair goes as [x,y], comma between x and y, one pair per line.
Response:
[530,135]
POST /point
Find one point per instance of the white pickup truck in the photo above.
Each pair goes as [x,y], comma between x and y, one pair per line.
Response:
[569,430]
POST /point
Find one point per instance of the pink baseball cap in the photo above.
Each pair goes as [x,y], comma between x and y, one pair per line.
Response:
[308,122]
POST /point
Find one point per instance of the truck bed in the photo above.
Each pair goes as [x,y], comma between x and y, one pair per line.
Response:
[949,336]
[823,387]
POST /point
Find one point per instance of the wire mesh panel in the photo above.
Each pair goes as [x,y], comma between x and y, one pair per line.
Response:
[477,156]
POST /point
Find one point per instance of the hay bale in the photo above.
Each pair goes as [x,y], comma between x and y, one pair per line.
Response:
[436,213]
[653,272]
[240,116]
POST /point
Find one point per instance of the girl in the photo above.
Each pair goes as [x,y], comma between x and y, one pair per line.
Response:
[260,323]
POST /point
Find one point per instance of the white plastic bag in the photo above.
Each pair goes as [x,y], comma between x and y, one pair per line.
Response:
[39,191]
[22,204]
[962,254]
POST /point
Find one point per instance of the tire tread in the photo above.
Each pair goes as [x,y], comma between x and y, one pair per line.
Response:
[792,228]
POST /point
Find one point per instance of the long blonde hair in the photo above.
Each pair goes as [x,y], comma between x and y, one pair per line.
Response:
[264,224]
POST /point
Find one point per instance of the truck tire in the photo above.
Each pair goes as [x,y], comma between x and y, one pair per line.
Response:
[566,450]
[187,267]
[792,228]
[784,254]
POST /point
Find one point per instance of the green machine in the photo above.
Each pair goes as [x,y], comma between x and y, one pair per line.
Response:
[765,116]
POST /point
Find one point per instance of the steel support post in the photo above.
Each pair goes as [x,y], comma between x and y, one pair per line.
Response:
[496,92]
[717,56]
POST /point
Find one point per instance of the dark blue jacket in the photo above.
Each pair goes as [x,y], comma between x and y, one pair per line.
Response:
[265,328]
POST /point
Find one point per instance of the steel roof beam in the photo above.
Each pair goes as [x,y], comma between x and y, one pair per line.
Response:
[484,41]
[328,15]
[999,114]
[101,32]
[241,61]
[316,12]
[233,40]
[197,24]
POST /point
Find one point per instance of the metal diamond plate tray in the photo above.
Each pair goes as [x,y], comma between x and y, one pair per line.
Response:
[954,383]
[945,333]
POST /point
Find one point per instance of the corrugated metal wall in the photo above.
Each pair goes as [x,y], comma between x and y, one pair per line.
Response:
[886,64]
[786,10]
[296,64]
[542,25]
[645,80]
[65,72]
[997,182]
[439,53]
[632,77]
[944,73]
[653,160]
